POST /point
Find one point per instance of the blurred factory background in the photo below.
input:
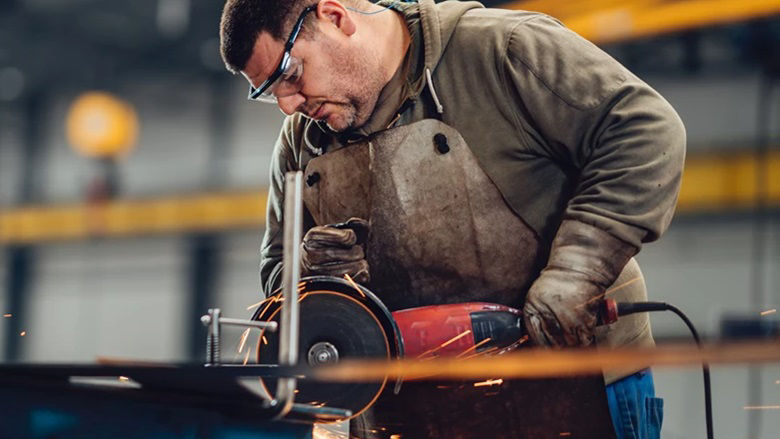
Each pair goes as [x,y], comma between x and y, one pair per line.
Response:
[133,175]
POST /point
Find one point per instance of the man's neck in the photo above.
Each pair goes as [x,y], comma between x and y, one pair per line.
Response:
[392,41]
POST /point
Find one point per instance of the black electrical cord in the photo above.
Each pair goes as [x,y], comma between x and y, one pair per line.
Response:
[624,309]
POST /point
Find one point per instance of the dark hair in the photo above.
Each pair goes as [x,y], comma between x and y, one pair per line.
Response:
[243,20]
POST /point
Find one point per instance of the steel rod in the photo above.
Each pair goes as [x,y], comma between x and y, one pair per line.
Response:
[268,326]
[288,336]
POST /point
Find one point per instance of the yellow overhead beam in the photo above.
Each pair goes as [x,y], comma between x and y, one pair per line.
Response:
[570,8]
[206,212]
[728,182]
[610,21]
[712,183]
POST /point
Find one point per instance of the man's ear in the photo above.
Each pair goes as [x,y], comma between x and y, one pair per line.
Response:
[334,12]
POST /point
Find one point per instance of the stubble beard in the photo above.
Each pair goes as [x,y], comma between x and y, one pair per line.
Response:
[361,86]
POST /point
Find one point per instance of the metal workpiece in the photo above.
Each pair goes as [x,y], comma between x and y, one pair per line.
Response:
[291,262]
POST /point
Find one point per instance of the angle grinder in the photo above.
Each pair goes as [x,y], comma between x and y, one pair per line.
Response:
[340,319]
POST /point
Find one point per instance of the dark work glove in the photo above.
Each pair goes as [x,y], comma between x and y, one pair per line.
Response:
[336,250]
[561,308]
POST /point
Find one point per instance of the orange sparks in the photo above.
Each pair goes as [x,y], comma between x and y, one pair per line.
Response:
[522,340]
[473,348]
[268,305]
[265,340]
[255,305]
[477,354]
[482,354]
[457,337]
[446,343]
[246,359]
[395,436]
[497,382]
[611,290]
[8,315]
[564,433]
[355,285]
[623,285]
[124,379]
[243,340]
[769,311]
[23,333]
[762,407]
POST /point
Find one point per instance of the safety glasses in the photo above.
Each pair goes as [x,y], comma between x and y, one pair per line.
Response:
[288,72]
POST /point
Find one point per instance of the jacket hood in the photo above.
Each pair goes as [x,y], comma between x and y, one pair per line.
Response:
[438,22]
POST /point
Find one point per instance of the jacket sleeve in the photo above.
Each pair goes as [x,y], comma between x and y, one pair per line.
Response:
[588,113]
[271,248]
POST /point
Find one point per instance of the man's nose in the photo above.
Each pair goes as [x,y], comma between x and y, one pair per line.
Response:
[290,104]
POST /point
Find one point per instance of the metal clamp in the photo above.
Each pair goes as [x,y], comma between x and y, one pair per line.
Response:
[214,322]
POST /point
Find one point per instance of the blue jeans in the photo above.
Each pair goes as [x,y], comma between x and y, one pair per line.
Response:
[636,412]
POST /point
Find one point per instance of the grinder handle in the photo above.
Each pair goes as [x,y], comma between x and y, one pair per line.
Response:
[360,227]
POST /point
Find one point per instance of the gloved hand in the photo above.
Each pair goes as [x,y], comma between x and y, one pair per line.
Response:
[336,250]
[562,304]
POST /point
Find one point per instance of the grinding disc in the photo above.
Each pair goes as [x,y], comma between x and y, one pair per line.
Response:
[337,322]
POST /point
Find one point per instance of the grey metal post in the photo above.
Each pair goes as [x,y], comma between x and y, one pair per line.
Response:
[288,336]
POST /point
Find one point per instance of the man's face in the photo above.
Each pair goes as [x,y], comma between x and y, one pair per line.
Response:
[336,85]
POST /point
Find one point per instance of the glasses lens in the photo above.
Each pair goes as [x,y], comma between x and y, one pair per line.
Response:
[293,70]
[287,84]
[256,95]
[269,99]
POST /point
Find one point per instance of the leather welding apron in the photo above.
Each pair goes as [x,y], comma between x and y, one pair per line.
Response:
[440,232]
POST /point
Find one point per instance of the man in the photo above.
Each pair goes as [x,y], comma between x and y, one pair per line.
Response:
[493,155]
